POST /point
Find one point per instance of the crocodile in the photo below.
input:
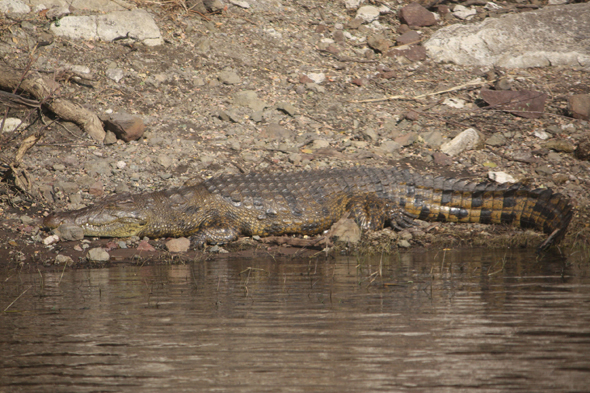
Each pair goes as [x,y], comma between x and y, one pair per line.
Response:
[220,209]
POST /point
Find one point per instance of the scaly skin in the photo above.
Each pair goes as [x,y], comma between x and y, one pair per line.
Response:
[218,210]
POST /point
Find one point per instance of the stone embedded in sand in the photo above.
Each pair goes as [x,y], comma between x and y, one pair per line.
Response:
[414,15]
[98,255]
[580,106]
[126,126]
[181,244]
[501,177]
[345,230]
[467,140]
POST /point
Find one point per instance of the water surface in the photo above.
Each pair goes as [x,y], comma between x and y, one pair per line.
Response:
[438,321]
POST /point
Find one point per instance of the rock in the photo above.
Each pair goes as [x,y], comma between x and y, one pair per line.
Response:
[413,53]
[63,259]
[68,188]
[144,245]
[295,158]
[467,140]
[456,103]
[14,7]
[524,103]
[541,134]
[317,77]
[433,138]
[503,84]
[378,43]
[501,177]
[137,24]
[51,240]
[414,15]
[554,36]
[409,37]
[181,244]
[560,178]
[115,74]
[553,130]
[367,13]
[352,4]
[354,23]
[464,13]
[544,170]
[203,45]
[554,157]
[345,230]
[239,3]
[441,159]
[360,81]
[287,108]
[96,189]
[250,157]
[412,115]
[70,232]
[165,160]
[110,138]
[125,126]
[90,5]
[403,244]
[370,134]
[559,145]
[11,124]
[320,144]
[57,12]
[388,74]
[275,131]
[389,146]
[229,77]
[568,128]
[579,105]
[582,151]
[497,139]
[121,188]
[230,115]
[407,139]
[213,5]
[249,98]
[405,235]
[98,255]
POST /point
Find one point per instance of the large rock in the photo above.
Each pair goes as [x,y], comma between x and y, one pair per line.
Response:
[14,6]
[136,24]
[557,35]
[580,106]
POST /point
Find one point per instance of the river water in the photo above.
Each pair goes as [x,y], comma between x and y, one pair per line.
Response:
[437,321]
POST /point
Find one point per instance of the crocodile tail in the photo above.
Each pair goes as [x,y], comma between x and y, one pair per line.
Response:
[457,200]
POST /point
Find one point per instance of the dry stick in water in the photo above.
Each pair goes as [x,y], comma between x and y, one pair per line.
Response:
[19,296]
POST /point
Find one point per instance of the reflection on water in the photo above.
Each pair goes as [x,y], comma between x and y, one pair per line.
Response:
[430,321]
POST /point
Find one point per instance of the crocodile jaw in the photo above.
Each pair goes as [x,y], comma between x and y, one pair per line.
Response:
[101,223]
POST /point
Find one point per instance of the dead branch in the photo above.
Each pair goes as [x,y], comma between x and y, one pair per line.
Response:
[39,88]
[468,85]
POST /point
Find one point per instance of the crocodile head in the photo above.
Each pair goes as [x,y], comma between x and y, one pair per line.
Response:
[117,218]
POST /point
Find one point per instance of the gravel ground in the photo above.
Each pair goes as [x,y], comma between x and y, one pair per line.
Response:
[277,89]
